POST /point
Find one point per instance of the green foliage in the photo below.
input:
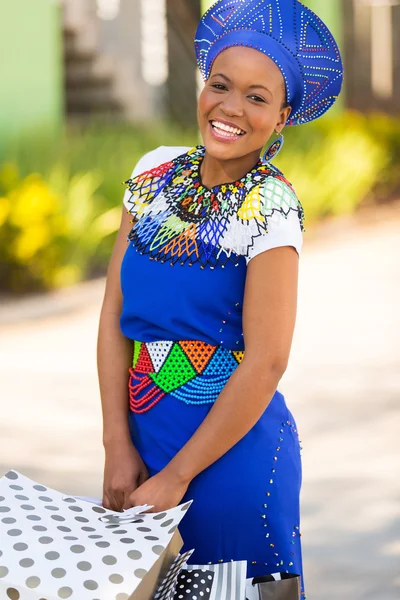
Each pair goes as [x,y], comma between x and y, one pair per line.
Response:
[60,200]
[335,164]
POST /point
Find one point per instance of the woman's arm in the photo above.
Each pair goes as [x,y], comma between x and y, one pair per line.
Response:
[269,316]
[124,470]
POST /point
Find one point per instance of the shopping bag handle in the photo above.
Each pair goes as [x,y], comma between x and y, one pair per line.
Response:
[275,577]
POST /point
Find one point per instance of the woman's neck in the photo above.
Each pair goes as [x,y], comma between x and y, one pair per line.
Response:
[214,171]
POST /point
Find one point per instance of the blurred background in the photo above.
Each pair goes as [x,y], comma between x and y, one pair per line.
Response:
[86,88]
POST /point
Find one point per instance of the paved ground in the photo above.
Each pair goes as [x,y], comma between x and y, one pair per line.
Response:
[343,385]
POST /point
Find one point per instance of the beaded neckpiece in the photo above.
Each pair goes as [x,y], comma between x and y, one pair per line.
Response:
[176,218]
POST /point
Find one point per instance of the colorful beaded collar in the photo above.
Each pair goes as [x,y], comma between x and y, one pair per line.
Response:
[178,219]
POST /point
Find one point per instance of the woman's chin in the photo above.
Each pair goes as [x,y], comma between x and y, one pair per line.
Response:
[223,150]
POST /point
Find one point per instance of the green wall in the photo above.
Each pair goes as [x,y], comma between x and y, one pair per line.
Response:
[31,86]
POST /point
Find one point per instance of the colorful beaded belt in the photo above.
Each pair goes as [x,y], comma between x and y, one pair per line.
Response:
[191,371]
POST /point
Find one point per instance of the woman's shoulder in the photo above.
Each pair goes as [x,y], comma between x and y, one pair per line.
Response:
[157,157]
[139,188]
[276,177]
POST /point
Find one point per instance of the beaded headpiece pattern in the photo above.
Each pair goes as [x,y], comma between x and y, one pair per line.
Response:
[289,33]
[178,219]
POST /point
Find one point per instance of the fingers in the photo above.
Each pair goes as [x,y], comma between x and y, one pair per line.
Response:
[122,499]
[131,499]
[106,502]
[113,500]
[128,502]
[129,495]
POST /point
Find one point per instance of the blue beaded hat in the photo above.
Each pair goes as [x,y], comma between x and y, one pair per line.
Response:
[289,33]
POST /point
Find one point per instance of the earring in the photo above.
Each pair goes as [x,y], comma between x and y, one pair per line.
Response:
[273,150]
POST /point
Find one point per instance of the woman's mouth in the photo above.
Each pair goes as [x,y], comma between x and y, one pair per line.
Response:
[224,132]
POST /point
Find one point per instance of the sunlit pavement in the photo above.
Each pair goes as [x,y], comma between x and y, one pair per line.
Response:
[343,385]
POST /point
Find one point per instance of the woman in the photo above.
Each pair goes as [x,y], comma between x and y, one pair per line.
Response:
[212,269]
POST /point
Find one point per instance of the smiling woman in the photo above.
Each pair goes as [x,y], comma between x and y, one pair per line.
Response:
[200,308]
[242,103]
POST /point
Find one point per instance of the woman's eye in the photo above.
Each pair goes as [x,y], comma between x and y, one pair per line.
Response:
[219,86]
[257,98]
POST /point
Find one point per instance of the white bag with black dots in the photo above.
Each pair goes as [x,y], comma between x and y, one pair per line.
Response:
[56,547]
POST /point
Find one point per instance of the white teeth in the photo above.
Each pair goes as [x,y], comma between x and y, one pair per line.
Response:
[221,126]
[224,133]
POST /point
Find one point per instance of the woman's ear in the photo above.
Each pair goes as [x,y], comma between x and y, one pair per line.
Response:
[283,117]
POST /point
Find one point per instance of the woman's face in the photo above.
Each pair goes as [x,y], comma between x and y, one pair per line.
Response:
[241,104]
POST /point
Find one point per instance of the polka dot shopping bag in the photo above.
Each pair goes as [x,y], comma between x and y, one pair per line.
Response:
[54,547]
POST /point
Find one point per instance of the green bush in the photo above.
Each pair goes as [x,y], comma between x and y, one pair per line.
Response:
[60,200]
[336,164]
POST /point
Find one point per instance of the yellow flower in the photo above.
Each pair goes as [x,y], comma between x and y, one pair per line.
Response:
[32,202]
[30,241]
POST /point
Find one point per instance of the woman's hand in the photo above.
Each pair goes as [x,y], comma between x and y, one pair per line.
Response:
[124,472]
[162,491]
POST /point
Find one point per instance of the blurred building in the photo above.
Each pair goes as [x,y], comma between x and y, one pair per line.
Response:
[133,59]
[371,44]
[130,59]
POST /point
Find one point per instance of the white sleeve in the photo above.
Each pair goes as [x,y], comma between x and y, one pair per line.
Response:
[150,161]
[283,213]
[283,232]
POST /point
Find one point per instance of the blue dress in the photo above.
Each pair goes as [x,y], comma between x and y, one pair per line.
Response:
[182,279]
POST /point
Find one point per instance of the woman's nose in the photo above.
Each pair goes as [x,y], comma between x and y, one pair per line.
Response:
[232,106]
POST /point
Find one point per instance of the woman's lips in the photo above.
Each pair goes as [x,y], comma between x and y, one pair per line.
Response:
[224,136]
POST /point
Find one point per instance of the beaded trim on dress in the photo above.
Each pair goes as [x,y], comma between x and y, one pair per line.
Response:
[191,371]
[179,219]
